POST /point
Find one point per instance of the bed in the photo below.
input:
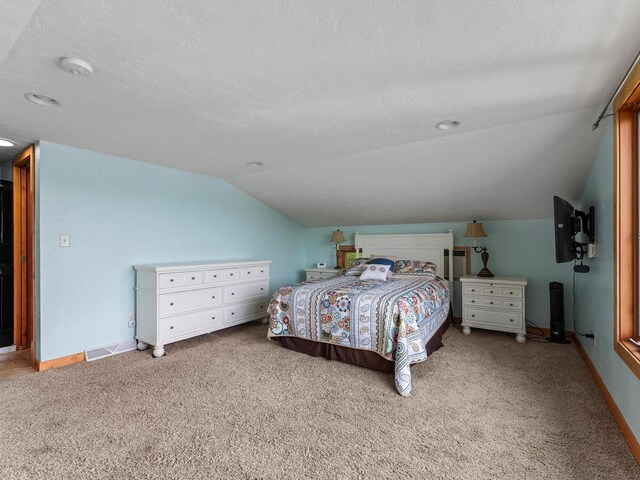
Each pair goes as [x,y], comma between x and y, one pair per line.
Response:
[385,325]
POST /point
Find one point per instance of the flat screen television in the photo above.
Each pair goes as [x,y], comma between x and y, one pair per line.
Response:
[564,224]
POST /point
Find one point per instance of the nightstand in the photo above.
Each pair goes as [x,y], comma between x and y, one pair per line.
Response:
[495,303]
[318,273]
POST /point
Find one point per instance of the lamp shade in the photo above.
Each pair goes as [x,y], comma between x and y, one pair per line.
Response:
[337,237]
[475,230]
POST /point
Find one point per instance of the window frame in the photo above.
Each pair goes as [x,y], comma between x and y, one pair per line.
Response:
[626,107]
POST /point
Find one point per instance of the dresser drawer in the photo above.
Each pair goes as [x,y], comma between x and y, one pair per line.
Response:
[248,272]
[493,318]
[186,324]
[236,313]
[211,276]
[262,271]
[174,303]
[231,274]
[179,279]
[234,293]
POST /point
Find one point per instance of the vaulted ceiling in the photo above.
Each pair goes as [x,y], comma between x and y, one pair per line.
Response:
[338,99]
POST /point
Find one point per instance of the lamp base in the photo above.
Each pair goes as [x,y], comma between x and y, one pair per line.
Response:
[485,272]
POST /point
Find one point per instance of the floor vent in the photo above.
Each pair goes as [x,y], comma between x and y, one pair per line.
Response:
[107,351]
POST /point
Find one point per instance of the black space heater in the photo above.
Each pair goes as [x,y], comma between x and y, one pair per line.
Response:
[556,302]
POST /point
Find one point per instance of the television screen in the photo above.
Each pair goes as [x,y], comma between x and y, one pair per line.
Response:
[563,215]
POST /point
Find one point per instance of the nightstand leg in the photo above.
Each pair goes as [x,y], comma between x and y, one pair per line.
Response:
[142,345]
[466,330]
[521,338]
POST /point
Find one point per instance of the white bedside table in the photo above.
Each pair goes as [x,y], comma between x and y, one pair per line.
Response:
[495,303]
[317,273]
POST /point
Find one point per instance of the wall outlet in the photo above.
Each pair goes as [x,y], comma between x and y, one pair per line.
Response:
[65,240]
[131,320]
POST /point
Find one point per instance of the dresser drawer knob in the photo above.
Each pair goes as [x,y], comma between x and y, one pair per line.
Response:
[231,274]
[213,296]
[261,271]
[491,291]
[213,318]
[510,293]
[473,316]
[491,303]
[171,304]
[473,301]
[171,327]
[473,289]
[232,293]
[215,276]
[171,280]
[261,289]
[511,304]
[248,273]
[511,319]
[232,313]
[193,278]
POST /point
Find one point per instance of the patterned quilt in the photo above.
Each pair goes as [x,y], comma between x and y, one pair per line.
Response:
[395,318]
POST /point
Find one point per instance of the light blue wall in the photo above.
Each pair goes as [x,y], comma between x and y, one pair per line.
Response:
[120,212]
[594,291]
[517,248]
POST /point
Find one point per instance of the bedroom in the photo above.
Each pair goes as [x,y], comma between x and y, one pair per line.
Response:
[218,132]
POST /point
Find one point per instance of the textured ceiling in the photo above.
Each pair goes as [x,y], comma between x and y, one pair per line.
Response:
[337,98]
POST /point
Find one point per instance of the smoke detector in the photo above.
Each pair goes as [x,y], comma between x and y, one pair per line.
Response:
[76,66]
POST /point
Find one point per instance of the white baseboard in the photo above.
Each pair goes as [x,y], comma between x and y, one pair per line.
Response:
[9,349]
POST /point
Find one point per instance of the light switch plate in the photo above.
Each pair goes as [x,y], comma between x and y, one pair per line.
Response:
[65,240]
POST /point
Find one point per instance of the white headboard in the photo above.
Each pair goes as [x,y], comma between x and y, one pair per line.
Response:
[428,247]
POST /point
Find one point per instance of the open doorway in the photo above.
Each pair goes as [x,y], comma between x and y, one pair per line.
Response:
[23,252]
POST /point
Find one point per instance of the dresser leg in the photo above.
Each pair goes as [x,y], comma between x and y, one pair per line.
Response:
[265,320]
[142,345]
[158,351]
[521,338]
[466,330]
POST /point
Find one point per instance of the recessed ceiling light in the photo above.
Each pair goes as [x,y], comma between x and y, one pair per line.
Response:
[76,66]
[447,124]
[41,99]
[6,143]
[255,164]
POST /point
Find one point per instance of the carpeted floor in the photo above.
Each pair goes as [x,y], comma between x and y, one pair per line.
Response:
[234,405]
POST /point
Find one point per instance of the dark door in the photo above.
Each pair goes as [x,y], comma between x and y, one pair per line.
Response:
[6,264]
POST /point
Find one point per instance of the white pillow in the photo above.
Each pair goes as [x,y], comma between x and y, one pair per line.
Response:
[375,272]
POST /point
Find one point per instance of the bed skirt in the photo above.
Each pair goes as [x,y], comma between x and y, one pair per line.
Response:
[362,358]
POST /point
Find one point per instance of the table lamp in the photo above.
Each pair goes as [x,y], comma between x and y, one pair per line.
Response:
[337,237]
[475,230]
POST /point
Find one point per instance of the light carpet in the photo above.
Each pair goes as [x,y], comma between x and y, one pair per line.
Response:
[234,405]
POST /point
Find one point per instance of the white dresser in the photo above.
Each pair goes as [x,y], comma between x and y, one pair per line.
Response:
[318,273]
[495,303]
[178,301]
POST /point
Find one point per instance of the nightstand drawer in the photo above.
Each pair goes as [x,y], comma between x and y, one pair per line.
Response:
[493,318]
[491,290]
[512,304]
[492,302]
[473,300]
[473,290]
[512,292]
